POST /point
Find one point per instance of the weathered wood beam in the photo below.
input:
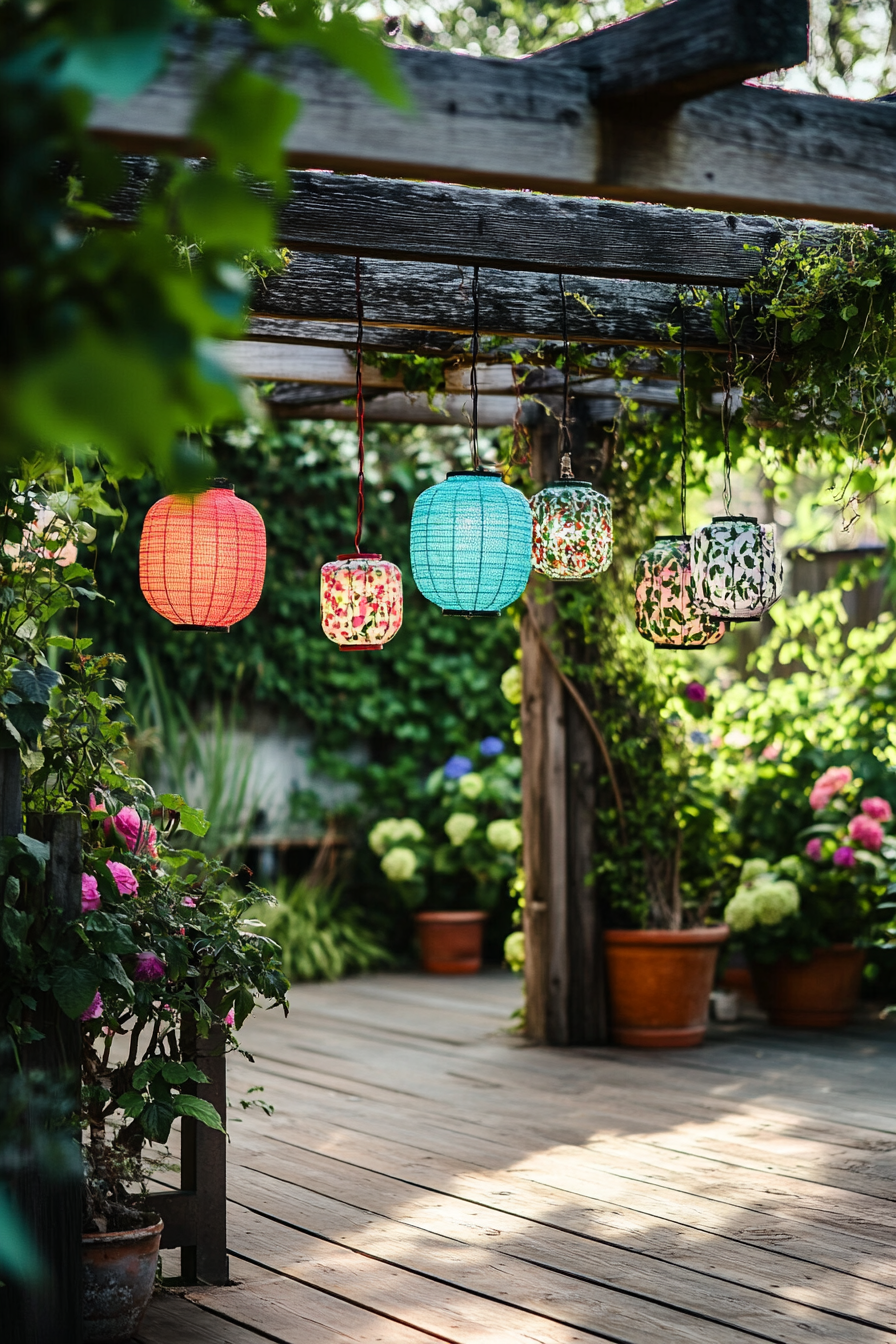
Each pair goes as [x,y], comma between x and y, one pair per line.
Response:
[802,155]
[410,408]
[299,364]
[393,340]
[513,304]
[533,124]
[688,48]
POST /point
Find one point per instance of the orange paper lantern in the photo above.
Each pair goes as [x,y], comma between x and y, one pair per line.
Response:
[202,558]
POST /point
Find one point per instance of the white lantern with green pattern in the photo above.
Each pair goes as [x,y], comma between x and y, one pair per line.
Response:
[736,568]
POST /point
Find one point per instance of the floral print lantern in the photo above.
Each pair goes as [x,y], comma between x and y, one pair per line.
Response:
[471,543]
[360,601]
[664,598]
[572,534]
[737,572]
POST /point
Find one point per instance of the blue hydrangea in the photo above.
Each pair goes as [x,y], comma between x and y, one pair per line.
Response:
[457,767]
[701,739]
[491,746]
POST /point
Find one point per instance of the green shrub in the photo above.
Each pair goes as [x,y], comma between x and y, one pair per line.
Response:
[319,939]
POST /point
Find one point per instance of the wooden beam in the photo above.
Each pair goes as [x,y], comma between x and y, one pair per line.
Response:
[394,340]
[687,48]
[426,221]
[471,120]
[286,400]
[532,124]
[513,304]
[768,150]
[298,364]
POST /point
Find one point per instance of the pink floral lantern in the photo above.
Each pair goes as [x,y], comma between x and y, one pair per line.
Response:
[360,601]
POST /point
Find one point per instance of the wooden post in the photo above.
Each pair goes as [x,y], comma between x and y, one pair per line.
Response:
[564,964]
[50,1204]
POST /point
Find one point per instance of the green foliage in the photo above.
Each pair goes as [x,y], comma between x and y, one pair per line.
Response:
[319,937]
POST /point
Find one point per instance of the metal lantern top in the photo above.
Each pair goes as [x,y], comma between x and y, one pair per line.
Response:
[572,531]
[202,558]
[361,601]
[471,543]
[737,571]
[664,598]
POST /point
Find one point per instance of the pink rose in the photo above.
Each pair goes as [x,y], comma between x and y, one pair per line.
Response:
[229,1019]
[90,894]
[696,691]
[188,900]
[148,967]
[827,785]
[813,848]
[866,833]
[125,877]
[844,857]
[130,827]
[877,808]
[771,752]
[95,1009]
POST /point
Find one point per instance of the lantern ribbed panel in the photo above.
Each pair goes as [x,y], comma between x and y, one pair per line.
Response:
[360,601]
[664,599]
[737,571]
[572,531]
[471,544]
[202,558]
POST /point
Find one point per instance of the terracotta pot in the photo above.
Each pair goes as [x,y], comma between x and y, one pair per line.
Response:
[820,993]
[118,1275]
[451,941]
[659,984]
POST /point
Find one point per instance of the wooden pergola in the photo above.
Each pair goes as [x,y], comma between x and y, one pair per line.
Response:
[652,110]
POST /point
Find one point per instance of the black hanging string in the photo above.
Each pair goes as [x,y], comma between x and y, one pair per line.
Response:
[683,411]
[565,437]
[727,384]
[474,378]
[359,402]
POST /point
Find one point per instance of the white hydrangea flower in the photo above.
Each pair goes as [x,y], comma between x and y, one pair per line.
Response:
[515,950]
[739,913]
[459,827]
[391,830]
[752,869]
[471,785]
[774,901]
[399,864]
[504,835]
[512,684]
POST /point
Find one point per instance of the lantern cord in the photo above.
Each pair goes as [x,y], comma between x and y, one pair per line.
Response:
[727,382]
[474,377]
[359,402]
[683,412]
[565,439]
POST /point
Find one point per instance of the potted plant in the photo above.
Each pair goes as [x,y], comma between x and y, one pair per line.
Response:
[805,920]
[461,863]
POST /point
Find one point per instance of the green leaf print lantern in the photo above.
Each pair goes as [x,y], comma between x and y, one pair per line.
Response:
[737,572]
[664,598]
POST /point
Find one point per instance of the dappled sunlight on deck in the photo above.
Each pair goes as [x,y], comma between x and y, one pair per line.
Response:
[428,1174]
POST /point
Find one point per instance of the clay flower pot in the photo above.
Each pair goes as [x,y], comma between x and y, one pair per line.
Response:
[451,941]
[820,993]
[119,1272]
[659,983]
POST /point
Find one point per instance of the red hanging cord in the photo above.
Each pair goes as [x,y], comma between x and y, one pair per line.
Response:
[359,403]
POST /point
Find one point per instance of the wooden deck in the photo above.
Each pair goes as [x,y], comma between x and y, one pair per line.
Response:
[427,1175]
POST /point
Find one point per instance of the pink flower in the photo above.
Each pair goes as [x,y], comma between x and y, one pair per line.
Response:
[148,967]
[877,808]
[188,900]
[695,690]
[125,877]
[94,805]
[844,857]
[866,832]
[229,1019]
[130,827]
[813,848]
[90,893]
[95,1009]
[771,752]
[827,785]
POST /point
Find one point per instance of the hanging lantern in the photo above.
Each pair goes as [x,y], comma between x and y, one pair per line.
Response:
[471,543]
[664,598]
[360,601]
[572,536]
[202,558]
[737,572]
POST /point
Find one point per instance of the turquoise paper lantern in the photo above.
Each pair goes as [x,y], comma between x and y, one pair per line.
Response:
[471,544]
